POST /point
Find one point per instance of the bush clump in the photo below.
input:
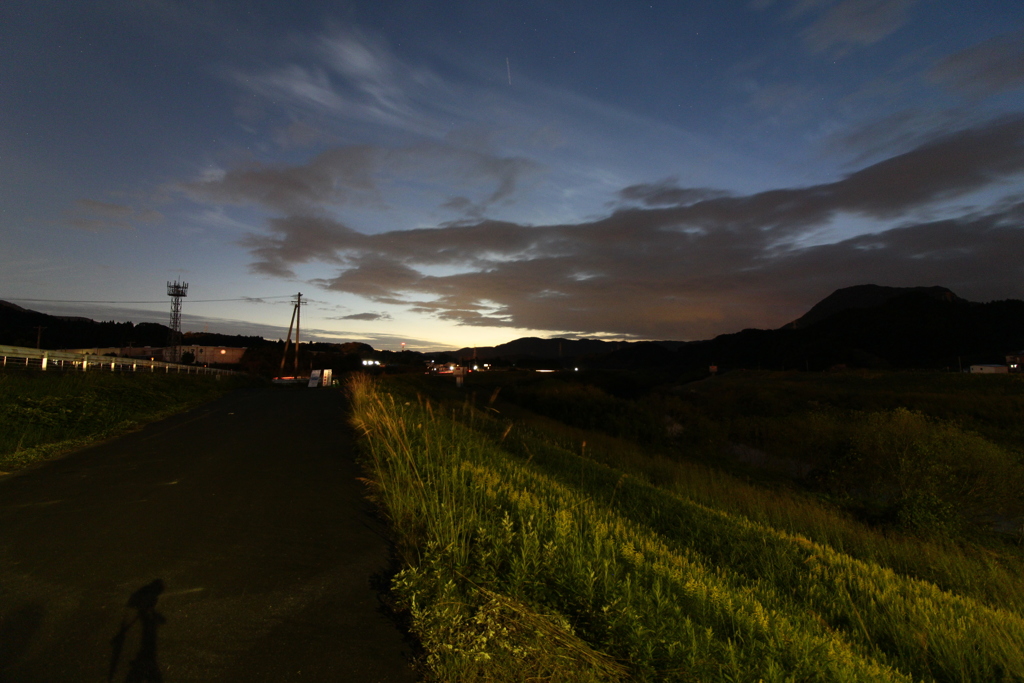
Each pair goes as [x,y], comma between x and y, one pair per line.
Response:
[928,475]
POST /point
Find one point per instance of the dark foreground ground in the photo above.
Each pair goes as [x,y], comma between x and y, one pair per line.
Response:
[231,543]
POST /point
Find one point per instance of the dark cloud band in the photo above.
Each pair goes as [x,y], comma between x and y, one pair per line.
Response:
[689,262]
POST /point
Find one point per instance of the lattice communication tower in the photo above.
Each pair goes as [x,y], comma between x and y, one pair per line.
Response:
[176,290]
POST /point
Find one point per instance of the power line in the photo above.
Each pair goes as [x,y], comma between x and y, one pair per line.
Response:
[255,299]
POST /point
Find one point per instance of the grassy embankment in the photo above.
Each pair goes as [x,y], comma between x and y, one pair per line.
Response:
[43,415]
[526,558]
[927,453]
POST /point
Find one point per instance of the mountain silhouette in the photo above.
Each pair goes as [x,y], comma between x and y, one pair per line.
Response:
[863,296]
[20,327]
[915,327]
[864,326]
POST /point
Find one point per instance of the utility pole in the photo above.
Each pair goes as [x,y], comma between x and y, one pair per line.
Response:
[287,341]
[298,316]
[39,336]
[297,303]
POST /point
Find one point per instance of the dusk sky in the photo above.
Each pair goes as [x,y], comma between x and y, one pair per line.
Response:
[451,174]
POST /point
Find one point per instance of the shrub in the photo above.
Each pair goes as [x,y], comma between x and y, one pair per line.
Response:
[931,475]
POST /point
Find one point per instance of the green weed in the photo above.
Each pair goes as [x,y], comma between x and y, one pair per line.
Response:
[640,581]
[43,415]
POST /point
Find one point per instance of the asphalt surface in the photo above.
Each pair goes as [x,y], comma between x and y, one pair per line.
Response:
[230,543]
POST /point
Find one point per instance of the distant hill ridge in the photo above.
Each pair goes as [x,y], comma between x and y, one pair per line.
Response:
[864,296]
[860,326]
[847,298]
[911,328]
[13,307]
[19,327]
[535,347]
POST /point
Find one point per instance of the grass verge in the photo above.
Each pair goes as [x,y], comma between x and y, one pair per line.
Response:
[44,415]
[556,567]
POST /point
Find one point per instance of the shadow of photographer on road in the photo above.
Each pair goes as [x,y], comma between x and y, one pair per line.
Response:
[143,668]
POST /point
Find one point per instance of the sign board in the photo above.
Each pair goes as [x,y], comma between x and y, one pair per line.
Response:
[327,378]
[314,378]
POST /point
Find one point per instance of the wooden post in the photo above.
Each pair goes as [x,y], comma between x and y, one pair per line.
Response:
[298,316]
[287,341]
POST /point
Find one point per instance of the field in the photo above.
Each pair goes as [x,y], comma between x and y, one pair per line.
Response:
[612,528]
[43,415]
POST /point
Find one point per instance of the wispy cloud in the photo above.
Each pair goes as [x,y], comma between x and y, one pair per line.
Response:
[457,130]
[96,216]
[856,23]
[992,66]
[352,75]
[668,193]
[898,132]
[354,176]
[364,316]
[839,26]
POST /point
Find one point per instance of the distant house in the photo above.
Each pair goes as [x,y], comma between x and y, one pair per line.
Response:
[208,355]
[151,352]
[989,369]
[204,355]
[1016,362]
[147,352]
[97,351]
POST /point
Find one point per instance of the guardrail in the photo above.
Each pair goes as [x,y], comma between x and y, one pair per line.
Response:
[38,359]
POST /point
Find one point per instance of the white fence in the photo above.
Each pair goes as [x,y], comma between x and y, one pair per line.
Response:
[36,359]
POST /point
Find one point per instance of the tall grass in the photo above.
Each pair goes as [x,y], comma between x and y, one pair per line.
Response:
[993,578]
[941,474]
[504,552]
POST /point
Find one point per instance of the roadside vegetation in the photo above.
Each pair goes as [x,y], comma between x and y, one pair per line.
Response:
[597,528]
[46,414]
[936,454]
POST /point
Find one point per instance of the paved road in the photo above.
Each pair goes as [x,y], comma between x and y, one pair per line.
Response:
[231,543]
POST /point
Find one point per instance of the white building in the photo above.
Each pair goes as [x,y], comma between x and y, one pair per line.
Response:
[989,369]
[206,355]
